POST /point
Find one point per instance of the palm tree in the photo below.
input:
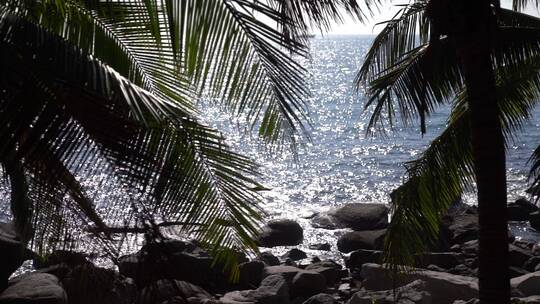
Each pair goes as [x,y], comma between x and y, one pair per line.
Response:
[484,61]
[109,89]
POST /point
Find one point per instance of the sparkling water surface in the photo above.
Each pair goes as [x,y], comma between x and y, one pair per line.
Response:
[342,164]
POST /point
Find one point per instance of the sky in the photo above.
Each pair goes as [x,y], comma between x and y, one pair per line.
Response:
[350,27]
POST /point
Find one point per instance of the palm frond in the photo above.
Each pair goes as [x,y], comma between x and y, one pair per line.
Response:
[64,111]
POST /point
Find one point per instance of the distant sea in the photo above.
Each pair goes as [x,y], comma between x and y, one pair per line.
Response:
[341,164]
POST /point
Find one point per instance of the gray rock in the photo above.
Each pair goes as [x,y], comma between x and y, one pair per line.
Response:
[268,258]
[329,269]
[34,288]
[359,257]
[368,239]
[164,290]
[251,273]
[355,216]
[444,260]
[273,289]
[322,247]
[281,233]
[88,284]
[528,285]
[517,213]
[534,220]
[295,255]
[288,272]
[321,298]
[445,288]
[307,283]
[526,204]
[518,256]
[13,253]
[412,293]
[527,300]
[462,228]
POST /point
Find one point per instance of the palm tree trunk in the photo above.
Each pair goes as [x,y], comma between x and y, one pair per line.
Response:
[474,42]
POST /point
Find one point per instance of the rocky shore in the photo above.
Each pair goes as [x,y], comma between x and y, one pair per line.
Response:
[179,272]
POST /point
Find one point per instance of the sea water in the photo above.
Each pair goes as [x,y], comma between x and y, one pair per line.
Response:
[341,164]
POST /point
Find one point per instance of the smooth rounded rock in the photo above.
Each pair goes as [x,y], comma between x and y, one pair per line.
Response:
[355,240]
[355,216]
[281,233]
[34,288]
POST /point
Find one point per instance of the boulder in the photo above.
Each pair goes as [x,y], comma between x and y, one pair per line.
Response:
[251,274]
[518,256]
[534,220]
[88,284]
[517,212]
[461,228]
[515,272]
[444,260]
[322,247]
[268,258]
[273,289]
[355,216]
[69,258]
[307,283]
[527,300]
[166,290]
[463,270]
[281,233]
[531,263]
[13,253]
[176,260]
[359,257]
[321,298]
[527,285]
[295,255]
[34,288]
[355,240]
[526,204]
[329,269]
[288,272]
[445,288]
[412,293]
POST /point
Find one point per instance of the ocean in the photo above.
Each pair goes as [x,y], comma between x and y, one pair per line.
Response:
[342,164]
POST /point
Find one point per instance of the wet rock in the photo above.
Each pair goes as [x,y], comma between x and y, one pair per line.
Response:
[13,253]
[176,260]
[273,289]
[307,283]
[251,274]
[534,220]
[526,204]
[329,269]
[355,216]
[321,298]
[412,293]
[527,300]
[517,212]
[268,258]
[518,256]
[69,258]
[281,233]
[527,285]
[515,272]
[444,260]
[166,290]
[295,255]
[359,257]
[445,288]
[34,288]
[288,272]
[368,239]
[531,263]
[322,247]
[461,228]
